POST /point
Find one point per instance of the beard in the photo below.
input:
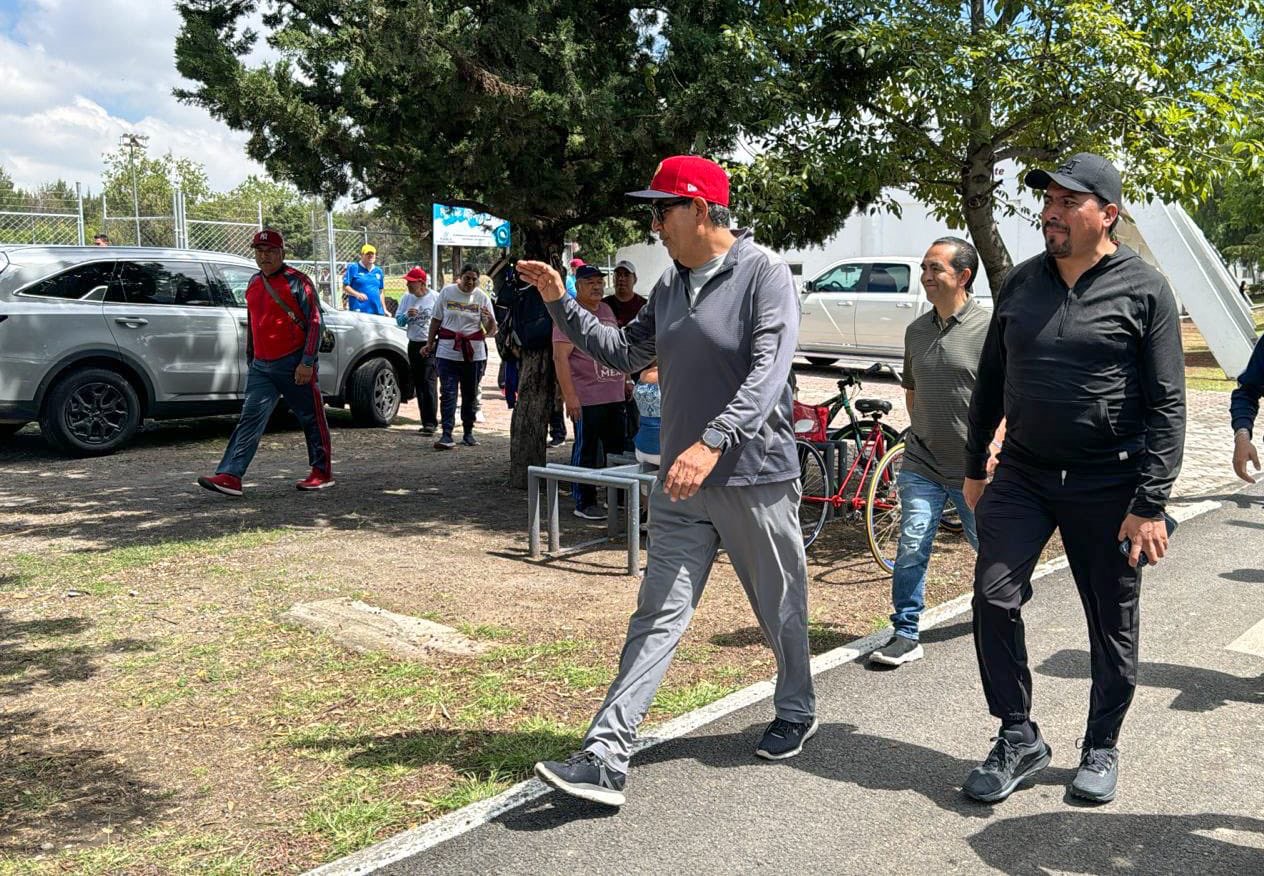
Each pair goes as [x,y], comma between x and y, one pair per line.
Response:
[1058,249]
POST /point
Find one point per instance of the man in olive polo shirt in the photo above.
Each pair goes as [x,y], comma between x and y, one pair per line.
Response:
[941,359]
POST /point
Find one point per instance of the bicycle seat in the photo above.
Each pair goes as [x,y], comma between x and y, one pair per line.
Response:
[872,405]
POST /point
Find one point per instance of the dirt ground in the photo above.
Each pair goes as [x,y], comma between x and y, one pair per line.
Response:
[160,717]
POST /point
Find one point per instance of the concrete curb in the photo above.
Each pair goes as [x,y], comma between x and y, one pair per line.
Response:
[419,839]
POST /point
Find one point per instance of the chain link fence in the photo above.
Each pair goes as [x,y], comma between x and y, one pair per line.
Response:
[60,220]
[41,220]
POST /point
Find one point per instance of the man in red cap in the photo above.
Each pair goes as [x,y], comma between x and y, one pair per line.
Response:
[414,313]
[723,326]
[283,328]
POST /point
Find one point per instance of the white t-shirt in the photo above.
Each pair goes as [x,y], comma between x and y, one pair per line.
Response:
[463,314]
[418,326]
[698,276]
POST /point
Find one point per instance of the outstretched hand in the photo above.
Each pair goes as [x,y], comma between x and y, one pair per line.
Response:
[543,277]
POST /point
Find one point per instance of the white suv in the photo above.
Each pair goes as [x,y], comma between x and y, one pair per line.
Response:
[93,340]
[858,309]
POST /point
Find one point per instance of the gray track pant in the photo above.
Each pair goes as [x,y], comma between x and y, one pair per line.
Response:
[759,528]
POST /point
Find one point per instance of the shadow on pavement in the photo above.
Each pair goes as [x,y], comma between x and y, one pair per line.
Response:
[1083,842]
[1200,690]
[839,753]
[1245,576]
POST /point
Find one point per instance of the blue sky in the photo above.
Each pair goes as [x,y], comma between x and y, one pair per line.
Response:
[77,74]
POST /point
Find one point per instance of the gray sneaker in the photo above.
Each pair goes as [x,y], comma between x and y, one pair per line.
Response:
[897,652]
[1007,765]
[1098,774]
[585,775]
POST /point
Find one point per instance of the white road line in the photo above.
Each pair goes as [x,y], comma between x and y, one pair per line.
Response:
[1251,642]
[419,839]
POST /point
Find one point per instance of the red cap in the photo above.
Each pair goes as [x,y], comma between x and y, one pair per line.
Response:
[687,176]
[268,237]
[416,275]
[576,263]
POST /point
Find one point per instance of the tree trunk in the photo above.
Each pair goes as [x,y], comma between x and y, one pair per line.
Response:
[977,185]
[529,428]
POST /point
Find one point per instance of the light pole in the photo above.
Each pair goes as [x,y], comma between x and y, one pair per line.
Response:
[134,142]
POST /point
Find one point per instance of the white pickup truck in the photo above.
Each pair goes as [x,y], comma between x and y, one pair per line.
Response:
[857,309]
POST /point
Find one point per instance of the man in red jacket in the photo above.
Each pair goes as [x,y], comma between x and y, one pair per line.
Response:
[282,334]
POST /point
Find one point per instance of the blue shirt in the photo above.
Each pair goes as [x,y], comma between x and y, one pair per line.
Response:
[367,281]
[570,285]
[1244,403]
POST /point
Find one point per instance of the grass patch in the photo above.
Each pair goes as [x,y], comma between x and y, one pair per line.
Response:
[91,570]
[466,790]
[678,700]
[1209,378]
[486,632]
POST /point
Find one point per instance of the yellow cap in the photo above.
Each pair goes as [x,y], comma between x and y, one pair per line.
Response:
[367,248]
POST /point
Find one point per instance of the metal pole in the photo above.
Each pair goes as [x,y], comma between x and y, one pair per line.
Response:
[260,205]
[365,229]
[436,278]
[332,252]
[134,142]
[79,211]
[175,216]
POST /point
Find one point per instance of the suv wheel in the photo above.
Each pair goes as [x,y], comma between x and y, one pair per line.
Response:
[375,393]
[92,412]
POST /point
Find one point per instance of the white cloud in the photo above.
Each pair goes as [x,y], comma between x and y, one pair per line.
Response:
[75,76]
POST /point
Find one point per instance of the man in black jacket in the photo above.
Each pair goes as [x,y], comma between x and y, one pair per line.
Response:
[1084,360]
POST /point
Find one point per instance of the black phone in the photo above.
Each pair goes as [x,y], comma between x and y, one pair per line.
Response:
[1125,546]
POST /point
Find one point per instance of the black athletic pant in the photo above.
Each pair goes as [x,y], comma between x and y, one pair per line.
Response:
[599,430]
[426,382]
[1016,516]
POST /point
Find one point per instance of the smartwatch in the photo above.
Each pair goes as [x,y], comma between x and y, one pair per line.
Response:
[714,438]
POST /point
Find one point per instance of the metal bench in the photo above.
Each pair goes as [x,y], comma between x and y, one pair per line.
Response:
[627,479]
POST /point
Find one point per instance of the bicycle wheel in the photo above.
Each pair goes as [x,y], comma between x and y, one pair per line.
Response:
[814,492]
[882,509]
[950,520]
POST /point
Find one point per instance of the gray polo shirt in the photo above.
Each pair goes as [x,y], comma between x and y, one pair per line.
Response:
[941,362]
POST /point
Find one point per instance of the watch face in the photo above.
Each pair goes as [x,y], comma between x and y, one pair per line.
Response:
[713,438]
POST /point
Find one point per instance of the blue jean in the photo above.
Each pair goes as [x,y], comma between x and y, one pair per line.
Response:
[266,382]
[921,505]
[464,377]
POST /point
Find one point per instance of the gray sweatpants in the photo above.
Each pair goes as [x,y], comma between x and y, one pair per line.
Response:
[759,528]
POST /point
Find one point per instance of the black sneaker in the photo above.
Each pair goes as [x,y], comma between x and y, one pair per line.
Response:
[469,440]
[427,430]
[1098,774]
[897,652]
[445,442]
[557,440]
[1009,763]
[585,775]
[784,739]
[589,512]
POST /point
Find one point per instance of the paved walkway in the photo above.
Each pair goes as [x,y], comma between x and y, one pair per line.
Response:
[877,790]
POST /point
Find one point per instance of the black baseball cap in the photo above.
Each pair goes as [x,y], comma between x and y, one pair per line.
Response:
[1082,172]
[583,272]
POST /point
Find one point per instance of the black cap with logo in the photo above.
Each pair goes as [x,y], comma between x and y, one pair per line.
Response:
[1082,172]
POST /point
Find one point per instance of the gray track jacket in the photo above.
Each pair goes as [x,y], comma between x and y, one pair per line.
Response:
[723,363]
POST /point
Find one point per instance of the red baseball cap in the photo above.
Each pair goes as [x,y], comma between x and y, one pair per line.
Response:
[687,176]
[268,238]
[416,275]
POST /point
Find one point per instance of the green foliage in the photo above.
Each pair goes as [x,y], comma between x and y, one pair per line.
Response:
[156,180]
[948,92]
[1232,216]
[543,112]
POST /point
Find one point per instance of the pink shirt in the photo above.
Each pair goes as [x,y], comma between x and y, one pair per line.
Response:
[595,384]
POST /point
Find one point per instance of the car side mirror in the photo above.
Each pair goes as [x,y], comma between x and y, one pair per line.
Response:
[809,286]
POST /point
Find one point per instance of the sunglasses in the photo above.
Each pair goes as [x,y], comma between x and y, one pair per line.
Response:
[658,209]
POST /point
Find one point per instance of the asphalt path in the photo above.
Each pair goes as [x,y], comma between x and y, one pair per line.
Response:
[878,789]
